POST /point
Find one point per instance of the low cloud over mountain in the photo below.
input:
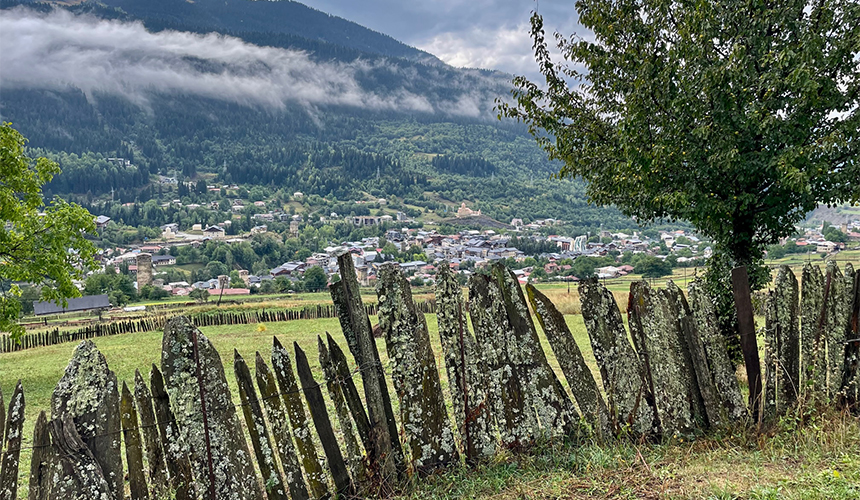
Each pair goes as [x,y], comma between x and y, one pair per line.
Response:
[60,50]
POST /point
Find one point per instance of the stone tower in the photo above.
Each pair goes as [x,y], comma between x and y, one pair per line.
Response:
[144,270]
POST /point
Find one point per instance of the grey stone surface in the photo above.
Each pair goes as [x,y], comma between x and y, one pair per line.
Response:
[232,463]
[576,371]
[629,398]
[89,395]
[466,375]
[414,374]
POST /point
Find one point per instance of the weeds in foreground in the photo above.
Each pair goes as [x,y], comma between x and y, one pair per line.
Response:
[819,459]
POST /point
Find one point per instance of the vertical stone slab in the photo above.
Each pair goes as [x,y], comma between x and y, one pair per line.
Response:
[133,446]
[851,369]
[720,367]
[273,482]
[319,414]
[353,452]
[416,379]
[386,450]
[191,385]
[466,378]
[82,475]
[350,392]
[838,305]
[628,395]
[89,395]
[2,421]
[283,369]
[515,420]
[653,323]
[175,452]
[10,446]
[782,344]
[157,472]
[553,408]
[280,430]
[41,460]
[679,307]
[811,341]
[576,371]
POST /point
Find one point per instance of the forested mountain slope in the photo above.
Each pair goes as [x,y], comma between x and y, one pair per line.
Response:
[276,97]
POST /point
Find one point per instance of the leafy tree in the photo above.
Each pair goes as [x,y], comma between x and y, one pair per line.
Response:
[315,279]
[652,267]
[738,117]
[199,295]
[41,244]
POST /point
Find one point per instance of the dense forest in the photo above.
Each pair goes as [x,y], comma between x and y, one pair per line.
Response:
[114,148]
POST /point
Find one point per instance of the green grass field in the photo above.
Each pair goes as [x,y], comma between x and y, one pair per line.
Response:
[821,460]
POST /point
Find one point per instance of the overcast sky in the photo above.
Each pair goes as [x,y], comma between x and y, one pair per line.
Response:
[492,34]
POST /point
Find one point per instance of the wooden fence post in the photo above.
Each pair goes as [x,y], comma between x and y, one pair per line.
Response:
[749,344]
[77,462]
[350,392]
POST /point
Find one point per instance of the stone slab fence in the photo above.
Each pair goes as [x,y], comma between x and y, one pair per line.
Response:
[182,433]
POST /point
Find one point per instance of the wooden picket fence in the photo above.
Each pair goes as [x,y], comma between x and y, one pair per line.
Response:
[180,433]
[157,322]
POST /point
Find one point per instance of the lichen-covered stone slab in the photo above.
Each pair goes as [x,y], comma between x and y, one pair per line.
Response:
[322,423]
[157,473]
[553,408]
[416,379]
[283,368]
[278,419]
[273,481]
[133,446]
[812,341]
[386,453]
[10,444]
[350,391]
[195,384]
[354,455]
[851,371]
[628,395]
[81,476]
[720,366]
[515,419]
[652,322]
[567,352]
[838,311]
[41,460]
[466,377]
[782,344]
[175,452]
[89,395]
[679,307]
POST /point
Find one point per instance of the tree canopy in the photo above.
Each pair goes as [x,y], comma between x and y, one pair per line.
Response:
[739,117]
[39,244]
